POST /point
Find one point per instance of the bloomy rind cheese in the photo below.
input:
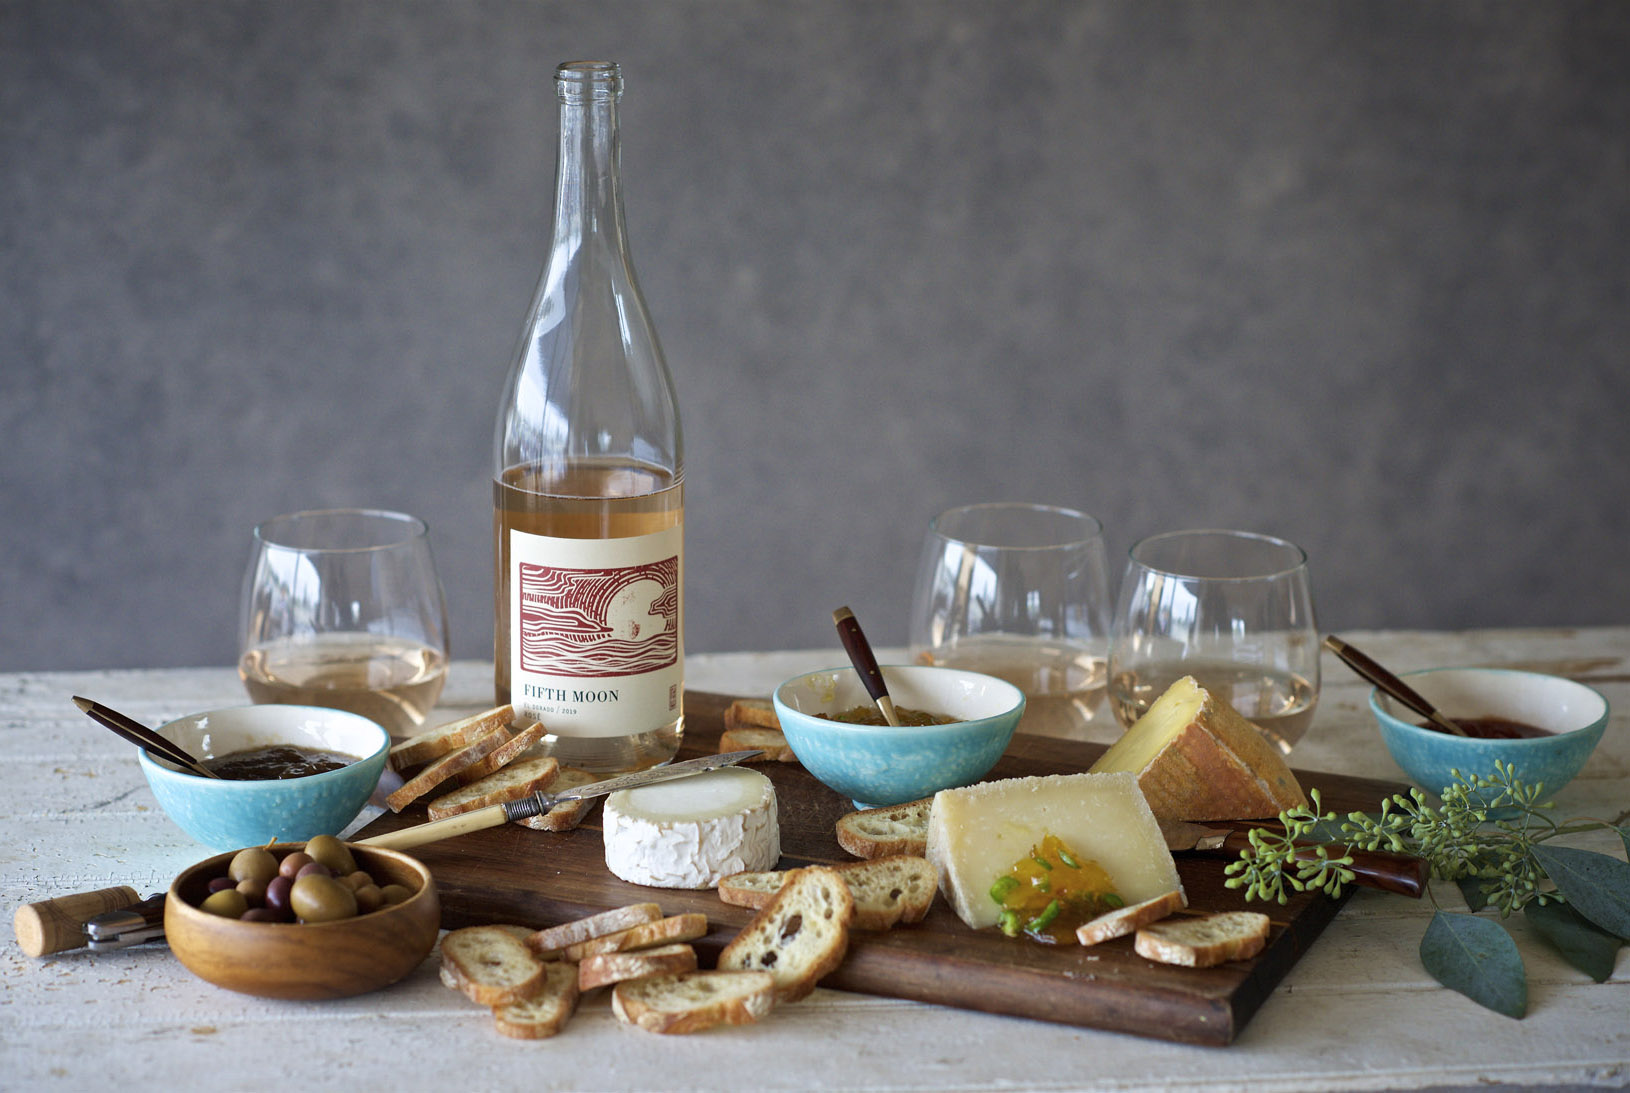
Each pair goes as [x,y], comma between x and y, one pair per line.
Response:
[1197,759]
[693,832]
[975,835]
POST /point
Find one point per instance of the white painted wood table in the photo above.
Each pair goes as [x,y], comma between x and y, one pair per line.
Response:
[1358,1011]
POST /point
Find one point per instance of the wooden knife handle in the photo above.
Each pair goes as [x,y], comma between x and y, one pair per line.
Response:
[57,925]
[865,662]
[1403,874]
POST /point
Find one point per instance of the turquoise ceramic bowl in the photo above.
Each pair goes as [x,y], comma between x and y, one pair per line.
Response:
[876,765]
[230,815]
[1572,713]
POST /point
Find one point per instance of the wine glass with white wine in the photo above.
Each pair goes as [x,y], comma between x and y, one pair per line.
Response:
[1019,591]
[1230,608]
[343,608]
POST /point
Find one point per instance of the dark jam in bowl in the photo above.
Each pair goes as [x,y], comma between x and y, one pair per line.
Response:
[277,761]
[871,715]
[1494,728]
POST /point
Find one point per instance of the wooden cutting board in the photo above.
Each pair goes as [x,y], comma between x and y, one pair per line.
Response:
[535,878]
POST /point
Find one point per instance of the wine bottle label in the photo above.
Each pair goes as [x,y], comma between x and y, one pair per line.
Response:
[595,642]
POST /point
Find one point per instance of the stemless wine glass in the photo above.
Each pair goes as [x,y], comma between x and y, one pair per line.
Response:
[343,608]
[1018,591]
[1230,608]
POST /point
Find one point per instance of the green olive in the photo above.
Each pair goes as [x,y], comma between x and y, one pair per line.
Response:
[395,893]
[355,880]
[228,903]
[254,890]
[369,898]
[256,863]
[332,853]
[316,898]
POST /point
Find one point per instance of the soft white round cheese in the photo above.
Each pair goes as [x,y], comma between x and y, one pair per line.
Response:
[693,832]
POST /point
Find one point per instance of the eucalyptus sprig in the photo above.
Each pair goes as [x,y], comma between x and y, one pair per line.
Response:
[1489,834]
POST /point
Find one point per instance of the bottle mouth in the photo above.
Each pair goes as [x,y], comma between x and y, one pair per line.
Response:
[585,81]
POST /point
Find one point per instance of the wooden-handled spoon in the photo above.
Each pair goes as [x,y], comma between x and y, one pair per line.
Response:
[1390,684]
[865,662]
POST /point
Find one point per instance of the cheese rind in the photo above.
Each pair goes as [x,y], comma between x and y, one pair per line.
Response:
[975,835]
[693,832]
[1197,759]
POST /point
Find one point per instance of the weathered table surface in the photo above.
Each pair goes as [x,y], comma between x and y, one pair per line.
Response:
[1357,1012]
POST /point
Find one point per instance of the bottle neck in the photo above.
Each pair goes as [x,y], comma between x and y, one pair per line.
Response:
[588,179]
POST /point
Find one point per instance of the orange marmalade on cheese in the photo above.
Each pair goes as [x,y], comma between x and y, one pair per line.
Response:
[1047,895]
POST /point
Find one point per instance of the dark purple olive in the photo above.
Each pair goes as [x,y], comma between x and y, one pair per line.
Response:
[292,864]
[314,869]
[220,883]
[263,914]
[277,895]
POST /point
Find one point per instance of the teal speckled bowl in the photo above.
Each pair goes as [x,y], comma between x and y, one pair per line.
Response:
[877,765]
[1572,713]
[230,815]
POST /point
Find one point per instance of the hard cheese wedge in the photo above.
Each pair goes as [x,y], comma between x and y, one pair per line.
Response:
[693,832]
[976,834]
[1196,759]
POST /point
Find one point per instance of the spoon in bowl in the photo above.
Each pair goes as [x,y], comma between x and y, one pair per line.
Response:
[1390,684]
[142,736]
[865,662]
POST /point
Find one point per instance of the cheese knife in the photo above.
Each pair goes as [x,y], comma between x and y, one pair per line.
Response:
[1403,874]
[538,803]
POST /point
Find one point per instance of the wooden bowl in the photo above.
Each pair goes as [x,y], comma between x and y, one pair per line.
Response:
[306,960]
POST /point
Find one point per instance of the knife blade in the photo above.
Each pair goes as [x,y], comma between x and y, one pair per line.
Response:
[1403,874]
[540,802]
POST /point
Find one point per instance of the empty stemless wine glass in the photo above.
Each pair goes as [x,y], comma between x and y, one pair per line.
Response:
[1230,608]
[1018,591]
[343,608]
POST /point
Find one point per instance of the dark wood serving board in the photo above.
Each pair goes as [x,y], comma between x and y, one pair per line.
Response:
[515,874]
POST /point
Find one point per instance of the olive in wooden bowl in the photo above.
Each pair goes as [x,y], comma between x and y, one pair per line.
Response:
[305,960]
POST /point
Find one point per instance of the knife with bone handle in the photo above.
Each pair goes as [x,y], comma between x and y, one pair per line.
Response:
[538,803]
[1403,874]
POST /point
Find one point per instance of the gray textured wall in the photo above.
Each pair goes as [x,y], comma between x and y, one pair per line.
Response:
[1353,273]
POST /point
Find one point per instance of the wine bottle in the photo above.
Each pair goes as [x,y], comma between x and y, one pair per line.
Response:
[588,493]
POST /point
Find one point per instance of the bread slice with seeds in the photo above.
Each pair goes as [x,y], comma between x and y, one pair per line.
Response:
[800,937]
[886,891]
[694,1001]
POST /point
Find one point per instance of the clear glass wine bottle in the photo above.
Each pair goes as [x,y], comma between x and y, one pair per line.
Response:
[588,490]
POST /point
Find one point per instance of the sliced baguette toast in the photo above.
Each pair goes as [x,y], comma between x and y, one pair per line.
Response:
[886,891]
[444,739]
[503,755]
[888,831]
[543,1013]
[664,931]
[693,1001]
[772,742]
[604,969]
[800,937]
[1204,941]
[490,965]
[548,942]
[1124,920]
[445,767]
[567,814]
[751,713]
[510,783]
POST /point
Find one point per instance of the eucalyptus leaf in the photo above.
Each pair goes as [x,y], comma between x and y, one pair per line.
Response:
[1597,885]
[1475,892]
[1581,942]
[1477,958]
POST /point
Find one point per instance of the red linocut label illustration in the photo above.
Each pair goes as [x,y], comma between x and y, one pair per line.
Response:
[599,622]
